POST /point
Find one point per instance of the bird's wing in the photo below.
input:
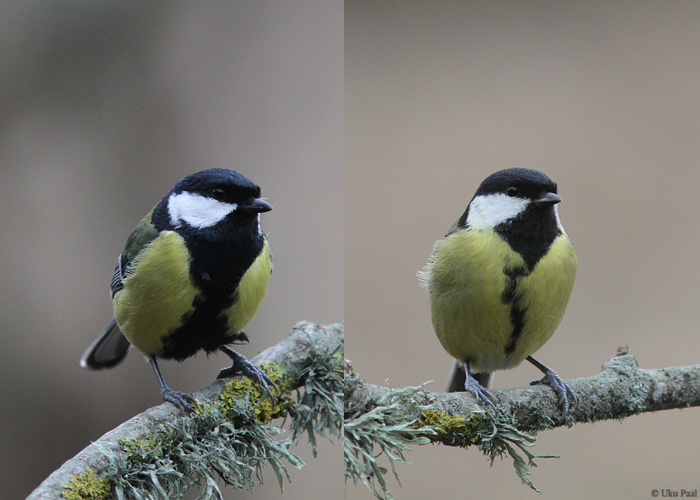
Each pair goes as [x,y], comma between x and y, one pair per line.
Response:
[140,237]
[111,347]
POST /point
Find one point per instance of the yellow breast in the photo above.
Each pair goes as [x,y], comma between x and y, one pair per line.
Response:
[251,291]
[157,295]
[470,313]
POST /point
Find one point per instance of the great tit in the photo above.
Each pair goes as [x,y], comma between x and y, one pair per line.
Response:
[500,280]
[192,274]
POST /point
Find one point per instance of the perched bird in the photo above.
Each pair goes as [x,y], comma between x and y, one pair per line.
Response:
[500,280]
[192,274]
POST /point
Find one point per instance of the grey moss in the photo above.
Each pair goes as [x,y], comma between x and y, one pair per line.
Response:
[319,410]
[392,419]
[200,450]
[395,421]
[163,453]
[388,427]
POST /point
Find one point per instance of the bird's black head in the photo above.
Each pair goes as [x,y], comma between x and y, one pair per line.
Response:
[520,205]
[221,184]
[509,195]
[209,198]
[520,182]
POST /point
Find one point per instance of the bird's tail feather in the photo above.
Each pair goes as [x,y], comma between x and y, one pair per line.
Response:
[110,349]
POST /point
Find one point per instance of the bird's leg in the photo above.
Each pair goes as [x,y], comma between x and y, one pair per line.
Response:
[241,366]
[563,391]
[180,399]
[478,391]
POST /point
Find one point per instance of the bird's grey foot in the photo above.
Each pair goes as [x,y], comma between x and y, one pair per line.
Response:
[567,396]
[241,366]
[182,400]
[477,390]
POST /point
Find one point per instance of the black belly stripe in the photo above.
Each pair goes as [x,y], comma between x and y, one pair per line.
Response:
[517,312]
[531,235]
[216,271]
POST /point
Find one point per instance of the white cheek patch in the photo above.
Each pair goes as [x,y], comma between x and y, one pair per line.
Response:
[197,210]
[490,210]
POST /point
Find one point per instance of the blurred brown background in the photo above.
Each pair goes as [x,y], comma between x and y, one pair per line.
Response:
[605,98]
[103,107]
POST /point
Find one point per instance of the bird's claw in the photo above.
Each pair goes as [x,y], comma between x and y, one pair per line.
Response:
[567,396]
[479,391]
[241,366]
[182,400]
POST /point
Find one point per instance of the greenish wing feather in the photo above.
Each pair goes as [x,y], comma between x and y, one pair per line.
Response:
[140,237]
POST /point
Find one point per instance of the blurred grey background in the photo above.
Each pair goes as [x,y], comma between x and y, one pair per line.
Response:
[103,107]
[605,98]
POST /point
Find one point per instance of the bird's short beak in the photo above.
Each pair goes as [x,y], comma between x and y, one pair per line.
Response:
[258,206]
[548,199]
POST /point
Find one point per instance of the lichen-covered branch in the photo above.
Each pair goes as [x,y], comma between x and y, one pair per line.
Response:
[622,389]
[162,452]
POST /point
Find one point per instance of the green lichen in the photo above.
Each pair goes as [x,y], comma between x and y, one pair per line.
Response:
[246,389]
[86,487]
[143,451]
[199,450]
[494,438]
[225,437]
[444,423]
[393,421]
[224,441]
[455,430]
[339,359]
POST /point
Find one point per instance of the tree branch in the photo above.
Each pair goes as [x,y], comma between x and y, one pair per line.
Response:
[417,416]
[310,357]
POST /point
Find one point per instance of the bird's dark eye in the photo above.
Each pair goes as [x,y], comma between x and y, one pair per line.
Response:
[218,194]
[512,191]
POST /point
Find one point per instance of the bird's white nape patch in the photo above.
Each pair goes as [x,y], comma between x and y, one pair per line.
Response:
[196,210]
[489,210]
